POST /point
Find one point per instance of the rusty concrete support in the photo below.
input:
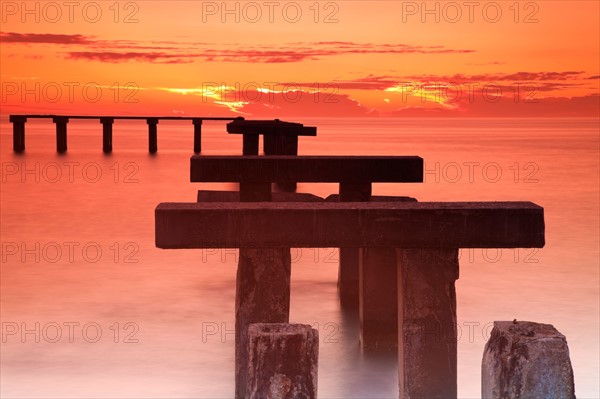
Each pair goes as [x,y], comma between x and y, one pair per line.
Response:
[427,348]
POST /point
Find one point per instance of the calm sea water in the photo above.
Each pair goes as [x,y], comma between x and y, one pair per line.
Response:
[116,317]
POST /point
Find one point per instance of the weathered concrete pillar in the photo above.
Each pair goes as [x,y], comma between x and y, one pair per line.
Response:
[262,296]
[249,144]
[270,144]
[152,134]
[427,323]
[197,135]
[61,133]
[283,361]
[281,144]
[18,122]
[526,360]
[107,124]
[348,275]
[378,291]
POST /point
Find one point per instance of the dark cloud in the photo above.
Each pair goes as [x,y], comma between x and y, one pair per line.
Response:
[40,38]
[116,57]
[167,51]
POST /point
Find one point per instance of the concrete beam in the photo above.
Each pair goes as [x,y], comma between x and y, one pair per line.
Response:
[234,196]
[315,169]
[350,224]
[270,127]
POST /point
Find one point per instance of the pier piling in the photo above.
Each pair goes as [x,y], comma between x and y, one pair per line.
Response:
[18,122]
[107,124]
[427,348]
[152,135]
[197,135]
[61,133]
[348,272]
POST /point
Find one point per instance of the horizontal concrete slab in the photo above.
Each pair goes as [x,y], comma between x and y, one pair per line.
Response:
[270,127]
[374,198]
[234,196]
[50,116]
[350,224]
[315,169]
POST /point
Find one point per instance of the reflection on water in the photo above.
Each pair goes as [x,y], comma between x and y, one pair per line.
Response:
[117,317]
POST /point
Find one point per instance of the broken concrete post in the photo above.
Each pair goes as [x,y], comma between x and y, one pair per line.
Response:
[427,353]
[283,361]
[262,296]
[523,359]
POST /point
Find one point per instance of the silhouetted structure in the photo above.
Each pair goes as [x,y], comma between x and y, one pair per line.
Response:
[61,121]
[279,138]
[424,238]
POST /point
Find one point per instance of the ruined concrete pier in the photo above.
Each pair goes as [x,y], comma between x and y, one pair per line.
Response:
[355,176]
[427,236]
[419,241]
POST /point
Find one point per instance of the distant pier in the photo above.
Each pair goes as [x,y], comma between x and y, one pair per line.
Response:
[61,122]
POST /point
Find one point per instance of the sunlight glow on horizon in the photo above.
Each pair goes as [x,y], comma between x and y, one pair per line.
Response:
[348,58]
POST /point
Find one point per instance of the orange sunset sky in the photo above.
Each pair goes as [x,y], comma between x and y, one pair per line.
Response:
[303,58]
